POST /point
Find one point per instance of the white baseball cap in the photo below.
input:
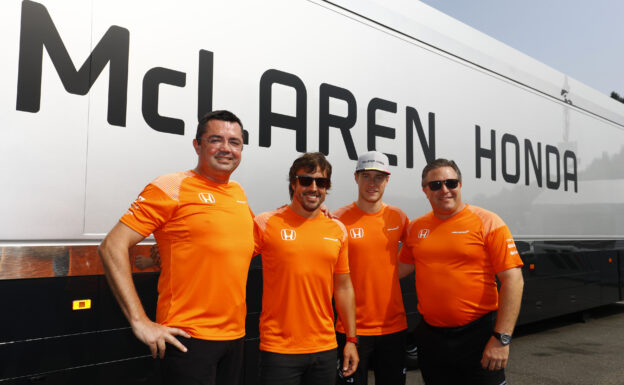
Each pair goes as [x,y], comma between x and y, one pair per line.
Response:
[373,160]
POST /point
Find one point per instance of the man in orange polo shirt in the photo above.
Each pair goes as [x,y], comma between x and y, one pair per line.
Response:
[458,251]
[375,230]
[204,230]
[304,262]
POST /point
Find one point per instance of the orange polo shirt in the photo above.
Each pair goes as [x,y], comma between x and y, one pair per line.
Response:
[456,261]
[373,253]
[299,259]
[204,232]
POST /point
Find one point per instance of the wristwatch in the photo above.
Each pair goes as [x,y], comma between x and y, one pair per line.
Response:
[503,338]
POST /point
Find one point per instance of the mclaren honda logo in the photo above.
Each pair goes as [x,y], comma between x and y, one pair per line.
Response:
[356,232]
[423,233]
[206,197]
[288,234]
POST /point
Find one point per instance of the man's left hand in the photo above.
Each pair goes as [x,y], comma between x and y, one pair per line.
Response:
[495,355]
[350,359]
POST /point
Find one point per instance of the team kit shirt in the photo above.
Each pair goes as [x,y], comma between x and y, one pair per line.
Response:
[204,232]
[456,261]
[373,253]
[299,259]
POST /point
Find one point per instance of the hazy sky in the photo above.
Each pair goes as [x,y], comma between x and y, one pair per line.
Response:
[581,38]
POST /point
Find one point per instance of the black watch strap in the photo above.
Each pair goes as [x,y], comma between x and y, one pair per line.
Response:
[503,338]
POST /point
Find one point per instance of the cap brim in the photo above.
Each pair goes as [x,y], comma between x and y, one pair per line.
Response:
[373,169]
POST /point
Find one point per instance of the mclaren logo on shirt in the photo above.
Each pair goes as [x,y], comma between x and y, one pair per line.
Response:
[135,204]
[207,197]
[357,232]
[423,233]
[289,234]
[512,245]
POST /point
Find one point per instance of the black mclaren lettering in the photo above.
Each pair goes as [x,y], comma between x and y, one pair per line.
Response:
[343,123]
[269,119]
[375,130]
[205,83]
[151,86]
[38,31]
[412,119]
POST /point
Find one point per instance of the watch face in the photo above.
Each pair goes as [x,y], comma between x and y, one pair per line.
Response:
[504,338]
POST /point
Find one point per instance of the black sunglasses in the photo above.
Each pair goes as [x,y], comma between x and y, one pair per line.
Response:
[437,184]
[306,181]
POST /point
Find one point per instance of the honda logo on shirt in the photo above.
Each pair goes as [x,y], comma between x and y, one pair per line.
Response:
[207,197]
[289,234]
[357,232]
[423,233]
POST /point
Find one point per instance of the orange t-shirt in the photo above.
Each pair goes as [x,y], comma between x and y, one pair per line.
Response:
[299,259]
[204,232]
[373,252]
[456,261]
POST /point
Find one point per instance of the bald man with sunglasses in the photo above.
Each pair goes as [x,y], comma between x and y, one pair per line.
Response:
[458,251]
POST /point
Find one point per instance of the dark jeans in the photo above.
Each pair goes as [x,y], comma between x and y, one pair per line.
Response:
[453,355]
[295,369]
[205,363]
[384,354]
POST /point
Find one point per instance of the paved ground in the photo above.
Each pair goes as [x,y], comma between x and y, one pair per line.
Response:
[566,351]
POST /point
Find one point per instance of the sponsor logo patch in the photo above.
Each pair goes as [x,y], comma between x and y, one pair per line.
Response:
[206,197]
[356,232]
[288,234]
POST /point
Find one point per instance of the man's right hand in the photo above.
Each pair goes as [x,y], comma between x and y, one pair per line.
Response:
[155,336]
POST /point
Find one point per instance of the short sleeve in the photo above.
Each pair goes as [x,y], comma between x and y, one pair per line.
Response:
[149,211]
[342,264]
[258,238]
[260,224]
[502,249]
[405,255]
[404,225]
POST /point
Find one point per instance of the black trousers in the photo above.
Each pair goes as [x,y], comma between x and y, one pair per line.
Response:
[298,369]
[205,363]
[453,355]
[385,354]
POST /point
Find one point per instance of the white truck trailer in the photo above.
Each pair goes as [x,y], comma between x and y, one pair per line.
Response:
[99,97]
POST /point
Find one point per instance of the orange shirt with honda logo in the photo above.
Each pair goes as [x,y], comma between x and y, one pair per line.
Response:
[456,261]
[204,232]
[299,259]
[373,253]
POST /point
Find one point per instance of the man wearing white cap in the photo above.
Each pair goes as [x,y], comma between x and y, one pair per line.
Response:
[375,229]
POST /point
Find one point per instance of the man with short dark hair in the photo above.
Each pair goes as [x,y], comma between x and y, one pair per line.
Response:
[304,262]
[204,230]
[458,251]
[375,230]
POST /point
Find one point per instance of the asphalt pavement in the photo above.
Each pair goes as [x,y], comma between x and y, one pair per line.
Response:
[583,349]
